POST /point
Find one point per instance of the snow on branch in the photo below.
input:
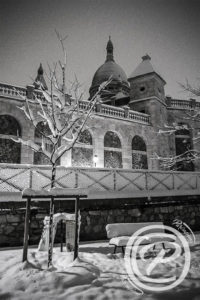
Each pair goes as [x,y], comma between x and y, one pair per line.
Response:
[190,88]
[171,162]
[63,113]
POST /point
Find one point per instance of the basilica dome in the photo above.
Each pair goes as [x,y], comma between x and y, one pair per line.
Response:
[110,69]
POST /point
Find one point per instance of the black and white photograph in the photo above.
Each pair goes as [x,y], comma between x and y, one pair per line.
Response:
[100,150]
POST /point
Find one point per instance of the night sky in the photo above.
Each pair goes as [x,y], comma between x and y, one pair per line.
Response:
[169,31]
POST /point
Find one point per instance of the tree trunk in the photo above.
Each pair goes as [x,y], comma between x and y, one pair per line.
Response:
[76,227]
[51,213]
[26,229]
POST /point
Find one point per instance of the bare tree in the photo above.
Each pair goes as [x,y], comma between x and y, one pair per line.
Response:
[188,87]
[65,114]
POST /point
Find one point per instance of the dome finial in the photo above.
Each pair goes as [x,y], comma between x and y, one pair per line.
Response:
[39,82]
[109,49]
[146,57]
[40,70]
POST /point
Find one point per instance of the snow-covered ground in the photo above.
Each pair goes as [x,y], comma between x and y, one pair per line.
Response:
[97,274]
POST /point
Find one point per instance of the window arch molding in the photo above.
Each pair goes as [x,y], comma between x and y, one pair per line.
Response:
[139,153]
[82,154]
[10,151]
[112,150]
[16,119]
[138,144]
[86,137]
[115,139]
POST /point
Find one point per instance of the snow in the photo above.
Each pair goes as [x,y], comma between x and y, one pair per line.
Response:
[145,67]
[55,192]
[44,241]
[97,274]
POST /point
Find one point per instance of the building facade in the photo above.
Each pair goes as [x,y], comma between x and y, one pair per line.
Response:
[133,126]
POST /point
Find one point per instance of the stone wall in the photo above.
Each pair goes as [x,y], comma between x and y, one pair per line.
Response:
[94,222]
[150,100]
[147,86]
[99,125]
[96,214]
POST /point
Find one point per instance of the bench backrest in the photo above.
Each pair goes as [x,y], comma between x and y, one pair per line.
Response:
[127,229]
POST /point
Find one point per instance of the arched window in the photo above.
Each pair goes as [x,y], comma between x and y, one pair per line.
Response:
[10,151]
[183,143]
[40,158]
[139,153]
[112,150]
[82,154]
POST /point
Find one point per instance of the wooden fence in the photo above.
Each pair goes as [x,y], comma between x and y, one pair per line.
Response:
[101,183]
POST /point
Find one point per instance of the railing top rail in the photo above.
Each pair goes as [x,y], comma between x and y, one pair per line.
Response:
[182,103]
[138,113]
[48,167]
[184,100]
[11,85]
[115,108]
[82,101]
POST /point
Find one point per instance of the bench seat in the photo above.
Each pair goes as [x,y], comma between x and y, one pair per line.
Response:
[119,234]
[123,240]
[119,241]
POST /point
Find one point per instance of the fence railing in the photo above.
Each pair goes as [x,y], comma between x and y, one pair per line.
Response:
[100,182]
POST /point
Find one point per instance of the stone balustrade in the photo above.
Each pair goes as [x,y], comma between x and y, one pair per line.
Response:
[112,111]
[39,94]
[117,112]
[13,92]
[124,113]
[182,104]
[83,105]
[139,117]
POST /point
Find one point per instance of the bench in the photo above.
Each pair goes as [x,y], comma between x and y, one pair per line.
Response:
[119,234]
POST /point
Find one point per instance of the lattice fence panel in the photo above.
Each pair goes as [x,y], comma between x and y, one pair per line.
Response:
[6,187]
[130,181]
[160,181]
[14,180]
[66,178]
[185,181]
[41,179]
[96,180]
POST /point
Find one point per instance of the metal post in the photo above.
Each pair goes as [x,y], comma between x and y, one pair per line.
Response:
[76,226]
[61,236]
[26,229]
[50,249]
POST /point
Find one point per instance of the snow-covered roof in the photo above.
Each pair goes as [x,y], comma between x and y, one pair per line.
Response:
[145,67]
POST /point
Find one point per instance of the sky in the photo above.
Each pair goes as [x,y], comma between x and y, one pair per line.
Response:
[168,30]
